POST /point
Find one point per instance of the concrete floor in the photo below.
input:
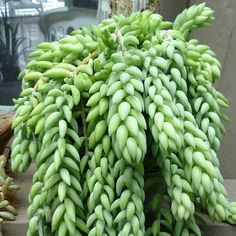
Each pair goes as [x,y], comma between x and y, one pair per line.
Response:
[19,227]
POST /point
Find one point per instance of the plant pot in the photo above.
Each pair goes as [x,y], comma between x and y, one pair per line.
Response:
[8,91]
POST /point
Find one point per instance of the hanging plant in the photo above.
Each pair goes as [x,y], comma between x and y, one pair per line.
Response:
[119,114]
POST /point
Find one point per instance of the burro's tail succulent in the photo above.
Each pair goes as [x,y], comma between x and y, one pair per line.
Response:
[119,113]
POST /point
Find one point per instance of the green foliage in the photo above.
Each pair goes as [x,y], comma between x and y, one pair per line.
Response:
[10,45]
[120,114]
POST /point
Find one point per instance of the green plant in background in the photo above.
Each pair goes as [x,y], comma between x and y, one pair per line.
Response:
[118,114]
[7,191]
[10,47]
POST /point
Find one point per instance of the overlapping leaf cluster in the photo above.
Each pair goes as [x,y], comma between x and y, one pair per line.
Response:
[120,114]
[7,192]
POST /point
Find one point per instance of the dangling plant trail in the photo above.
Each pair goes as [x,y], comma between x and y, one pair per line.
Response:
[112,116]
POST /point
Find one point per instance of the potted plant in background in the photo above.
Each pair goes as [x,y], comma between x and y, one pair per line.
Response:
[10,50]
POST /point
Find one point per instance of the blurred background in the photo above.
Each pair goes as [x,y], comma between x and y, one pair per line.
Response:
[25,23]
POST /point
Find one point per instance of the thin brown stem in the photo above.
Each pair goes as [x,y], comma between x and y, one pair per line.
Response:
[86,60]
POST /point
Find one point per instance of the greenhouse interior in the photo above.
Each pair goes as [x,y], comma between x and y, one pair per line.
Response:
[117,118]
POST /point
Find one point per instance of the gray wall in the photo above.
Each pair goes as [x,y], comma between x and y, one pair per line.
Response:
[221,37]
[170,8]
